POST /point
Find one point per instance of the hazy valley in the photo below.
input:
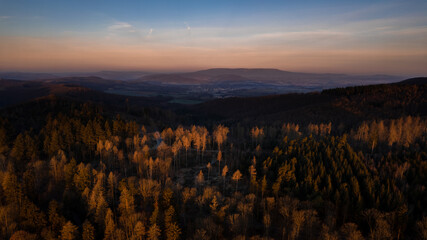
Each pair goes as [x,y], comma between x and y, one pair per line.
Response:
[197,87]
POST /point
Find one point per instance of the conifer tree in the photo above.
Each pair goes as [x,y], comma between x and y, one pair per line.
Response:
[127,205]
[220,135]
[224,174]
[88,232]
[110,226]
[219,158]
[200,178]
[69,231]
[23,235]
[139,230]
[172,229]
[153,232]
[4,144]
[236,177]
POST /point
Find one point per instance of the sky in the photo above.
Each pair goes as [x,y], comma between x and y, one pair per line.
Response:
[336,36]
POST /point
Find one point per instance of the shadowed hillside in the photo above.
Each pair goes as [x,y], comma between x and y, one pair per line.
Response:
[354,103]
[14,92]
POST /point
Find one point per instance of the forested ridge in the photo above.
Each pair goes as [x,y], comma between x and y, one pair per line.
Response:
[349,105]
[80,170]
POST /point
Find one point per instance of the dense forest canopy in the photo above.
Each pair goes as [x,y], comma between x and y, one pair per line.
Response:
[80,170]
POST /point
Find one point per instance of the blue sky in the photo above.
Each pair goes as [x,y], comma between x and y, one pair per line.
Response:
[312,36]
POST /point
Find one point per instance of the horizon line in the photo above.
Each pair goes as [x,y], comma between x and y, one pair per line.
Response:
[190,70]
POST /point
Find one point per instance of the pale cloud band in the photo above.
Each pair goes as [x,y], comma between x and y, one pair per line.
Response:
[120,26]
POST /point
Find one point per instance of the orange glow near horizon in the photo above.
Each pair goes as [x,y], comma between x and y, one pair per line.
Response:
[356,37]
[63,54]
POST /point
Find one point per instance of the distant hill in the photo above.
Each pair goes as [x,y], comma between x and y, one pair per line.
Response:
[267,76]
[121,75]
[91,82]
[116,75]
[177,79]
[25,76]
[14,91]
[219,82]
[418,80]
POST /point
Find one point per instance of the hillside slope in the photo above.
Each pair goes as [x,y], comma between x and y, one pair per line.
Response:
[355,103]
[14,92]
[270,76]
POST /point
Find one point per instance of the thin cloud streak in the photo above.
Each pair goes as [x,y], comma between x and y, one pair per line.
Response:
[120,26]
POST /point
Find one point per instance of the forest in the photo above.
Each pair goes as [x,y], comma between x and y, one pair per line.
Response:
[74,169]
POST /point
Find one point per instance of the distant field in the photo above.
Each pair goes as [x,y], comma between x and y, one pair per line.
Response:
[185,101]
[127,93]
